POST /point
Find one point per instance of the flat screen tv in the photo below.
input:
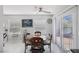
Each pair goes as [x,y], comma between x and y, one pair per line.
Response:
[27,23]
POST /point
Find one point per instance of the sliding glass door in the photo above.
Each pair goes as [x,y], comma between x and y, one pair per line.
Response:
[67,31]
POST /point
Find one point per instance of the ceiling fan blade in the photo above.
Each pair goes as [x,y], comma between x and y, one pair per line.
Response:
[45,11]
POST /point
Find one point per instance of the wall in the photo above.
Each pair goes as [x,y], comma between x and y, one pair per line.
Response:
[1,30]
[40,21]
[78,26]
[39,24]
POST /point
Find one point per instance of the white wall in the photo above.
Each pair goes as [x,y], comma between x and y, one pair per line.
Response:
[39,24]
[38,21]
[1,30]
[78,27]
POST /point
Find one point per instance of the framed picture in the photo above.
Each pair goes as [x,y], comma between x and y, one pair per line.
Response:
[27,23]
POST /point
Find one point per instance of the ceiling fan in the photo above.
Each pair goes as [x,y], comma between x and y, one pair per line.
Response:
[40,9]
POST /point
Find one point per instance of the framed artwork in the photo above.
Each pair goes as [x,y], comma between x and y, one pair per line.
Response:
[27,23]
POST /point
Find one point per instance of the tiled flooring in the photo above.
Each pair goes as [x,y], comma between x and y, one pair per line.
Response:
[14,48]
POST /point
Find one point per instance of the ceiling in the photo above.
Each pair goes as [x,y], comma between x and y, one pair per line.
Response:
[31,9]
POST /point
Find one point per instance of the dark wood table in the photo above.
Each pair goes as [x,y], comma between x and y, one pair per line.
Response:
[28,44]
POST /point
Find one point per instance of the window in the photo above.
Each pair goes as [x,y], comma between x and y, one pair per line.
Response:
[67,31]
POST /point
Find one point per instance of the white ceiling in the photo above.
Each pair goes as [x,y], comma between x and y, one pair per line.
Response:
[31,9]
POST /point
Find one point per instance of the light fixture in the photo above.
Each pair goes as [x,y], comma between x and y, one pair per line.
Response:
[41,10]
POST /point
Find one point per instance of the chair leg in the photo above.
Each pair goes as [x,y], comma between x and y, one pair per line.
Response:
[25,49]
